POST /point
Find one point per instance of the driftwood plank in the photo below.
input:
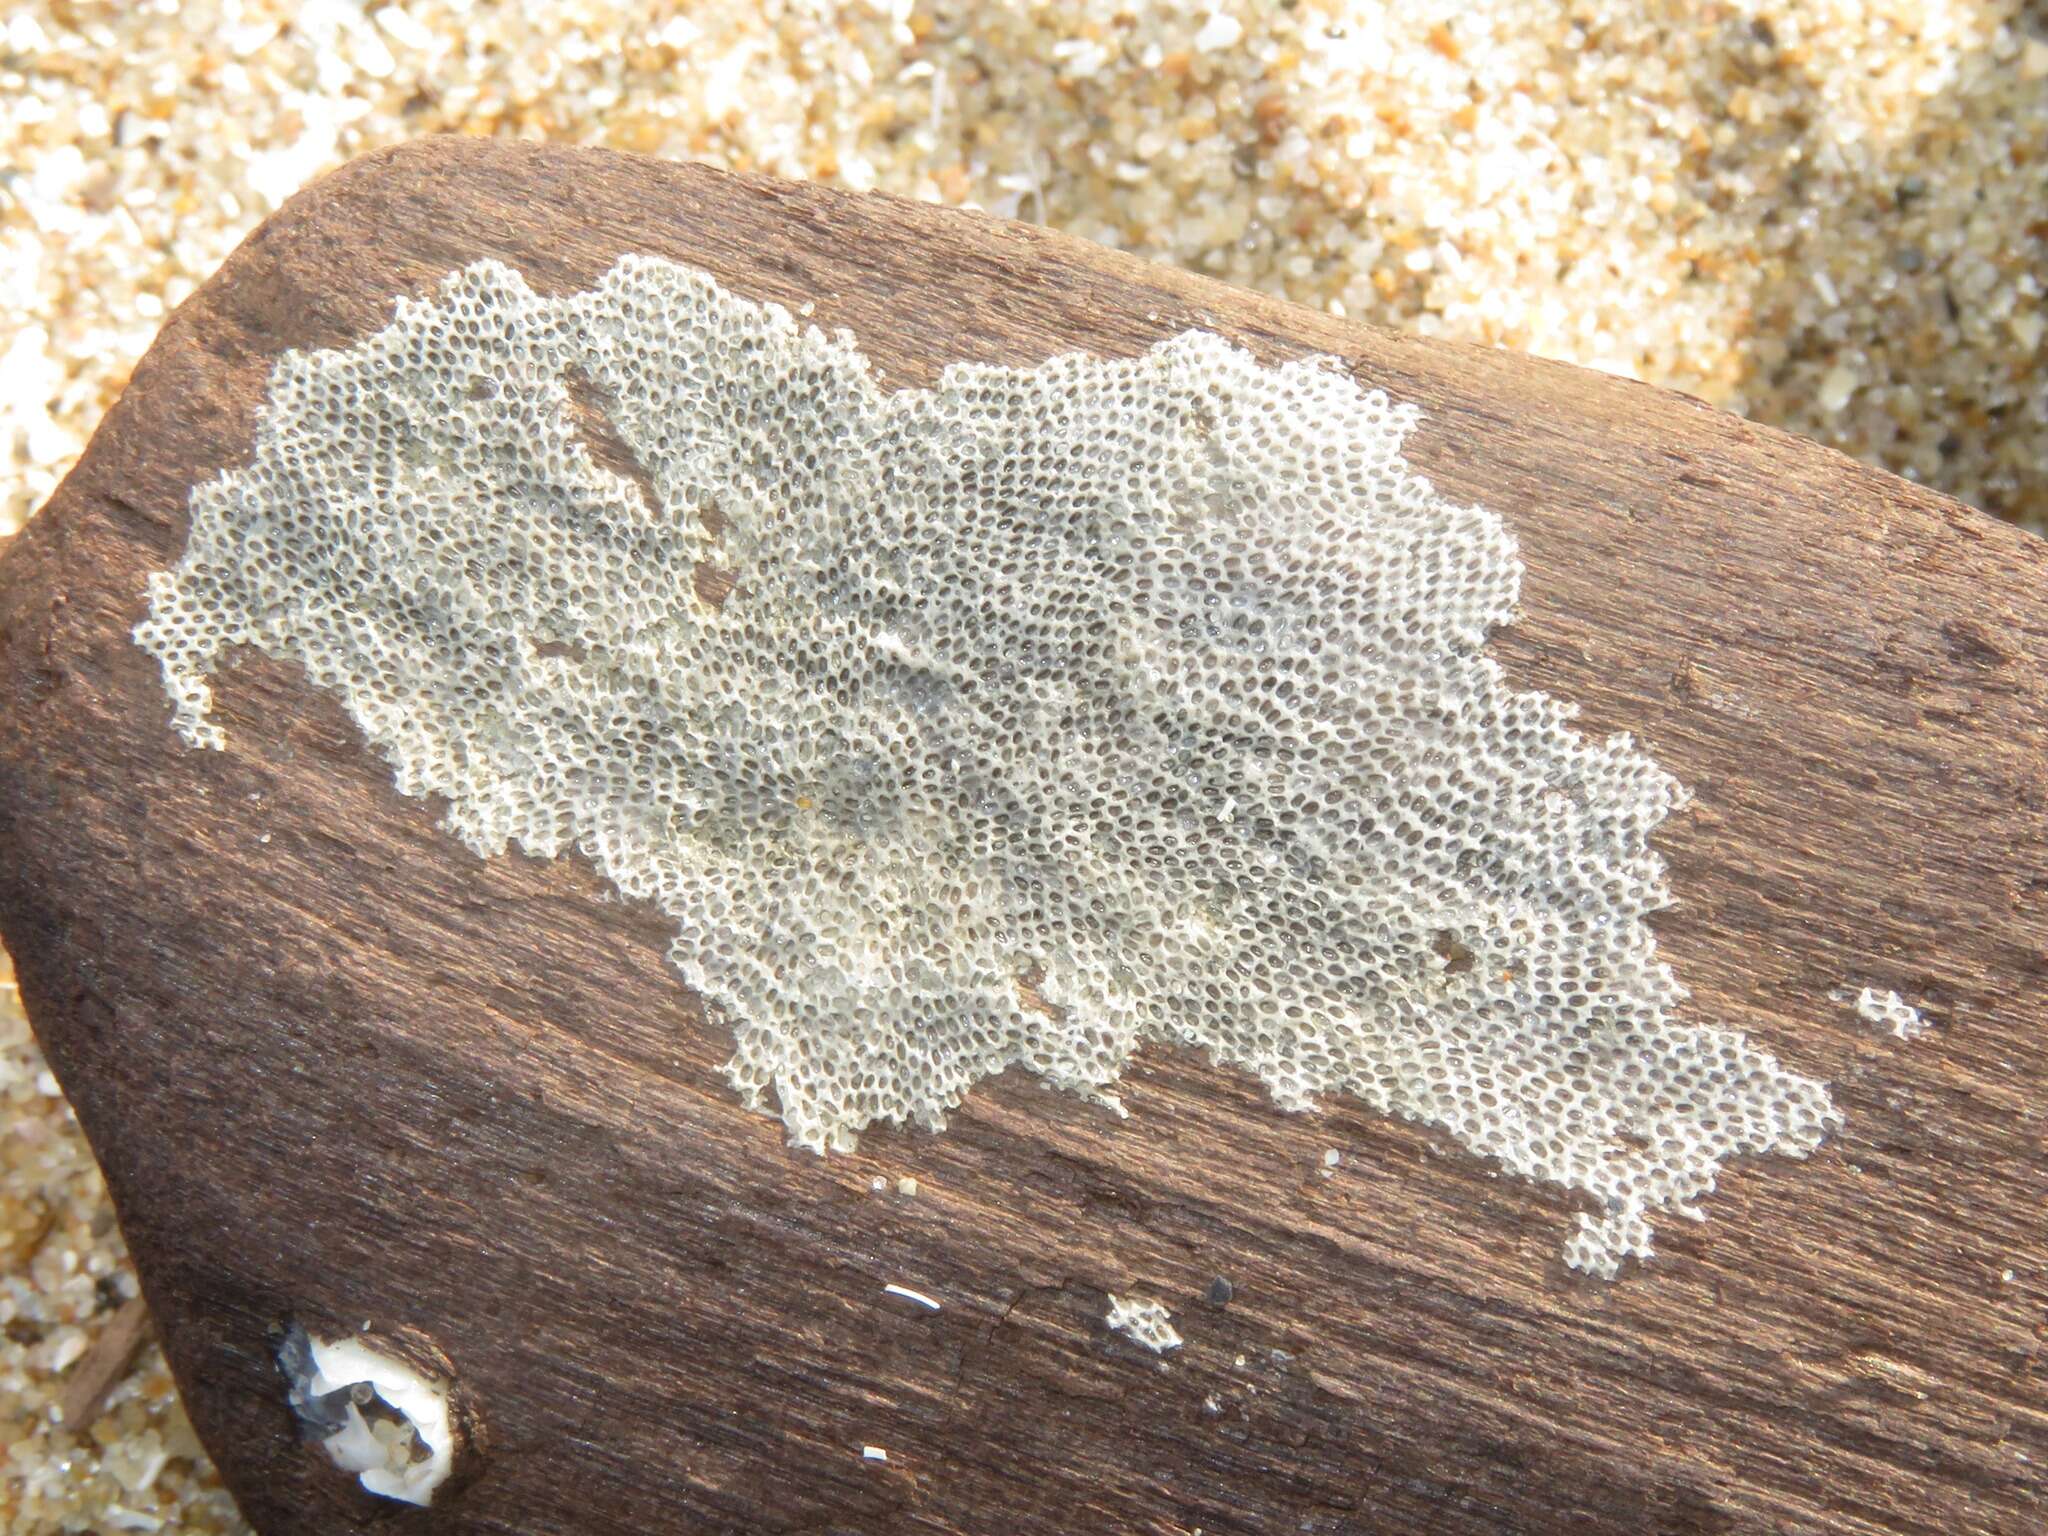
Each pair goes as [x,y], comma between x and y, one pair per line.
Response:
[339,1070]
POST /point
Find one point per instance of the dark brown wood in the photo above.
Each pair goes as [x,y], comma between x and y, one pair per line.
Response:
[340,1070]
[103,1366]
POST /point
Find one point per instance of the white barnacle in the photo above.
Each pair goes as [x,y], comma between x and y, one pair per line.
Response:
[1153,687]
[374,1414]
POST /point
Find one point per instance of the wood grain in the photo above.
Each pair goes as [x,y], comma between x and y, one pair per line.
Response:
[340,1070]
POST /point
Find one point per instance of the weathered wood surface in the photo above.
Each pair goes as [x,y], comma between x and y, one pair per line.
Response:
[340,1070]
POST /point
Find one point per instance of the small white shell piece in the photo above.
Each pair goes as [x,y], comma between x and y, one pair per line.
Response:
[908,1294]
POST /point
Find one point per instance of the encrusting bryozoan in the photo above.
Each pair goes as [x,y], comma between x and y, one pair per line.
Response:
[1897,1015]
[1143,1322]
[1158,683]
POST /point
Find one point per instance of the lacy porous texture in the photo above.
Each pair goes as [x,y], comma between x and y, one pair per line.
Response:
[1144,1322]
[1015,721]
